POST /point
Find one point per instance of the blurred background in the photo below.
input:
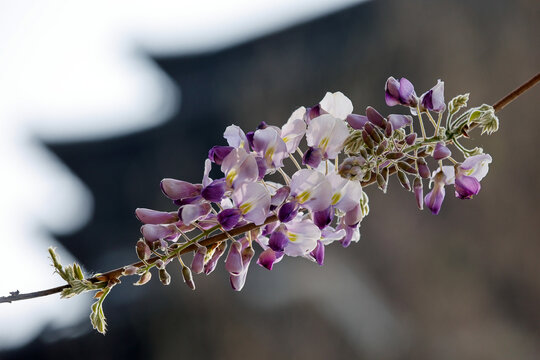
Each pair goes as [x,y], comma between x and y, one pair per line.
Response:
[99,102]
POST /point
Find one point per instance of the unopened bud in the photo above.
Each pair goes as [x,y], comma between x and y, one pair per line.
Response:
[394,155]
[389,129]
[375,117]
[351,168]
[404,180]
[367,139]
[370,129]
[160,264]
[188,278]
[197,265]
[407,168]
[143,250]
[423,169]
[410,139]
[364,153]
[144,278]
[382,146]
[164,277]
[382,183]
[368,176]
[419,193]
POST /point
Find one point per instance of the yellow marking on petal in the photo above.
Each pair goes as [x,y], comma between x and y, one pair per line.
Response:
[286,139]
[303,196]
[269,153]
[324,143]
[469,172]
[231,176]
[335,198]
[292,237]
[246,207]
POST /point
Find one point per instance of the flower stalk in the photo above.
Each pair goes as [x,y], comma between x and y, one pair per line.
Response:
[322,202]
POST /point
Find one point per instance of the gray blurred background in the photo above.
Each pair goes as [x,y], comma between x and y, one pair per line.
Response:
[460,285]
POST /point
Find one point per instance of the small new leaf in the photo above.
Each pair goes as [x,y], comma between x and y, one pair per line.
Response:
[457,103]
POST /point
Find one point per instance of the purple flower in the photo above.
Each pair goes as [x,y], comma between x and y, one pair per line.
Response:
[268,144]
[327,133]
[303,236]
[236,137]
[253,200]
[400,92]
[318,253]
[398,121]
[193,212]
[346,194]
[228,218]
[239,167]
[293,131]
[278,239]
[218,153]
[469,174]
[311,189]
[434,99]
[435,197]
[268,258]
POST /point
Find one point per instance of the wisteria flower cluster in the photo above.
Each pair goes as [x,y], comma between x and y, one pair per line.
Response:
[295,189]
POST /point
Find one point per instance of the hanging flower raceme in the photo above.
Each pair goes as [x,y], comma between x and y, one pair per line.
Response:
[322,200]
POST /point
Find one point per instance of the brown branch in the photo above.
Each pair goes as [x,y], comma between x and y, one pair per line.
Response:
[116,273]
[499,105]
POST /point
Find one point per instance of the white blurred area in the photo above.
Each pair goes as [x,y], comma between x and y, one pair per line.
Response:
[73,70]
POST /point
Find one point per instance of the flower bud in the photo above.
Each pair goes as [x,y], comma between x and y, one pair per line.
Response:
[423,169]
[188,277]
[372,132]
[143,250]
[441,151]
[375,117]
[144,278]
[381,183]
[233,263]
[197,264]
[389,129]
[367,139]
[380,149]
[404,180]
[164,277]
[407,168]
[419,193]
[410,139]
[351,168]
[318,253]
[364,153]
[394,155]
